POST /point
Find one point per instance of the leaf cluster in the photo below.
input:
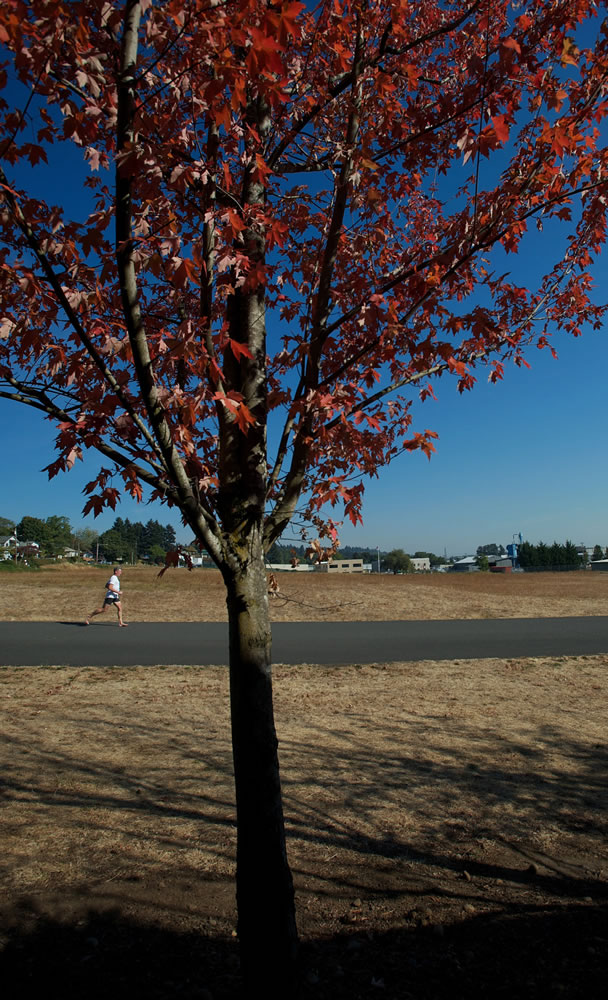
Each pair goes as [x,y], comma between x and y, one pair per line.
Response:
[297,221]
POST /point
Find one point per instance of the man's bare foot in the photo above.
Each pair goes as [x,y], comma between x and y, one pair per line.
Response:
[122,624]
[87,622]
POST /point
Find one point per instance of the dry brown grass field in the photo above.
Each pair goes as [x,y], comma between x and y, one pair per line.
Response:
[446,821]
[67,590]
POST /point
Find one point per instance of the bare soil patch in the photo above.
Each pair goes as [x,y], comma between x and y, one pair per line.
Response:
[446,823]
[69,591]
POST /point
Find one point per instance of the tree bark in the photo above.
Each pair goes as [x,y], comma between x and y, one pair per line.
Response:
[265,895]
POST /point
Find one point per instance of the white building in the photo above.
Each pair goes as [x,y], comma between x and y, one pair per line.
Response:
[421,564]
[344,566]
[8,545]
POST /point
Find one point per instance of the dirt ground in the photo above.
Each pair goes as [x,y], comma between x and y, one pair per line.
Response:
[446,821]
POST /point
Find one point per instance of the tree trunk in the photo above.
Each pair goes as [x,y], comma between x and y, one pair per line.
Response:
[265,896]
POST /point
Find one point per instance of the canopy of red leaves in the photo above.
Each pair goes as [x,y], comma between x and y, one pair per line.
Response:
[307,209]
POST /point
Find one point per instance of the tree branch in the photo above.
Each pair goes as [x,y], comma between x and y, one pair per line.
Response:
[37,399]
[47,268]
[444,365]
[125,139]
[484,243]
[291,488]
[347,80]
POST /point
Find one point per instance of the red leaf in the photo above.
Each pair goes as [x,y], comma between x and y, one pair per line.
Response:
[240,350]
[501,128]
[236,223]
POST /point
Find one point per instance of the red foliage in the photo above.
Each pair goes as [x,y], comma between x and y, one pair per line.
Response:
[354,171]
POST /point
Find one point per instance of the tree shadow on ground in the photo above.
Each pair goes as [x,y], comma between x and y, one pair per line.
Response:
[536,953]
[463,785]
[434,856]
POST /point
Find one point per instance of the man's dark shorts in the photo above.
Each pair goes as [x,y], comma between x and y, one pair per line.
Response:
[112,599]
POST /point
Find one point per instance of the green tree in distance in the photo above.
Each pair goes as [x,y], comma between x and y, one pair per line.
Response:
[85,540]
[59,534]
[115,548]
[32,529]
[53,535]
[491,550]
[397,561]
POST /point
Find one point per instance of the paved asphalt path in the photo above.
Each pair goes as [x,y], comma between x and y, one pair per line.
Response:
[148,644]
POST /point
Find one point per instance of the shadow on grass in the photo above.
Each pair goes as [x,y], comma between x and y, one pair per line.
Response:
[135,802]
[547,952]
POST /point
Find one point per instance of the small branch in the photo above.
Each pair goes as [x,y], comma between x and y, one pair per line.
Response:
[126,137]
[484,243]
[38,400]
[444,365]
[348,79]
[47,268]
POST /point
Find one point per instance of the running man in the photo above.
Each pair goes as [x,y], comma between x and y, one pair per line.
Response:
[112,598]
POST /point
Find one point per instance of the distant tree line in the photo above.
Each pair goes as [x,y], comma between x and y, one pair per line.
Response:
[554,556]
[124,541]
[128,541]
[491,550]
[53,535]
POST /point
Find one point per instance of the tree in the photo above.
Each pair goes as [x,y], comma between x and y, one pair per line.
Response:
[483,562]
[32,529]
[114,546]
[85,539]
[571,556]
[491,550]
[397,561]
[279,554]
[169,540]
[58,534]
[157,553]
[549,557]
[53,534]
[7,527]
[526,555]
[298,219]
[598,553]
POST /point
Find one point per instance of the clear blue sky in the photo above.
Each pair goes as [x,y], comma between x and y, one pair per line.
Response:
[526,455]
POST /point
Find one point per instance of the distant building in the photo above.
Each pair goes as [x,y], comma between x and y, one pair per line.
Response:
[8,544]
[288,568]
[344,566]
[466,565]
[421,564]
[600,564]
[11,546]
[501,564]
